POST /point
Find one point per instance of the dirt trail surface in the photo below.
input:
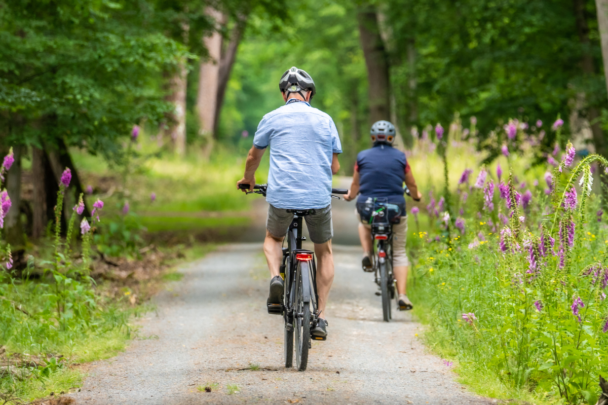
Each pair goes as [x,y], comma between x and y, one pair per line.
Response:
[212,330]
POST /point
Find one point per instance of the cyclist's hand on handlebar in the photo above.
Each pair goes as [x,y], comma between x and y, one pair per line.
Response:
[418,197]
[250,182]
[348,197]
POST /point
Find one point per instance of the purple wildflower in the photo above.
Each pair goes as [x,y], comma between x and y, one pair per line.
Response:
[551,161]
[532,259]
[570,199]
[503,189]
[89,189]
[599,215]
[538,305]
[555,150]
[481,179]
[488,196]
[441,204]
[125,208]
[446,218]
[481,237]
[535,183]
[469,318]
[464,178]
[503,218]
[605,327]
[522,185]
[511,129]
[6,203]
[498,171]
[557,124]
[153,197]
[569,156]
[79,208]
[66,177]
[459,224]
[526,198]
[466,132]
[504,234]
[84,226]
[439,131]
[448,363]
[8,160]
[464,197]
[415,211]
[474,120]
[98,205]
[505,150]
[135,132]
[539,123]
[570,229]
[576,306]
[549,180]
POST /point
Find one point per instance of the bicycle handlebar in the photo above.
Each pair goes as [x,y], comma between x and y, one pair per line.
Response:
[263,187]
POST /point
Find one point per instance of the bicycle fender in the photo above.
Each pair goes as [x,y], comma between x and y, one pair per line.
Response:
[305,271]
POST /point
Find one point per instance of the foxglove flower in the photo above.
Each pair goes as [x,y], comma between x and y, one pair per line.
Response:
[551,161]
[538,305]
[570,199]
[505,150]
[84,226]
[66,177]
[532,259]
[79,208]
[586,174]
[481,237]
[535,183]
[464,178]
[498,171]
[474,244]
[8,160]
[446,218]
[125,208]
[469,318]
[539,123]
[511,129]
[135,132]
[503,218]
[97,206]
[522,185]
[474,120]
[89,190]
[576,306]
[503,189]
[481,179]
[466,132]
[415,211]
[555,150]
[569,156]
[549,180]
[526,198]
[441,204]
[488,197]
[9,263]
[464,197]
[6,203]
[460,225]
[605,327]
[153,197]
[504,234]
[570,229]
[557,124]
[439,131]
[599,215]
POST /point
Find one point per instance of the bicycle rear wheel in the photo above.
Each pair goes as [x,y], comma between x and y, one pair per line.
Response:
[386,297]
[302,319]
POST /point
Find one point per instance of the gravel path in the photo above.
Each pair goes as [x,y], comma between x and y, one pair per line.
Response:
[211,330]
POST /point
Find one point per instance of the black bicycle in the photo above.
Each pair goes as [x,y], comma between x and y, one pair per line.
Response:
[299,270]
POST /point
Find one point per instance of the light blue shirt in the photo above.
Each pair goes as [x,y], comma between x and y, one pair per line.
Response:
[302,142]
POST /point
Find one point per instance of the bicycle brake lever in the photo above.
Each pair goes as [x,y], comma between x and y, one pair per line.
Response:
[336,197]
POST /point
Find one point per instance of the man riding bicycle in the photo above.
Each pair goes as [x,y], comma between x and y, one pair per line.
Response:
[304,147]
[380,173]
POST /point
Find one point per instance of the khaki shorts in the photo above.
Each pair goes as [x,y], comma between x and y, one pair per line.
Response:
[399,239]
[319,224]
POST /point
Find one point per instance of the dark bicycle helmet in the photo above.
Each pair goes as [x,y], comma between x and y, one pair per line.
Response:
[383,132]
[297,80]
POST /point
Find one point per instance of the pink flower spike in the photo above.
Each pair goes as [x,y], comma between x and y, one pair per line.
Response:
[539,123]
[153,197]
[79,208]
[66,177]
[6,203]
[439,131]
[558,124]
[84,226]
[89,189]
[8,160]
[135,132]
[125,208]
[505,150]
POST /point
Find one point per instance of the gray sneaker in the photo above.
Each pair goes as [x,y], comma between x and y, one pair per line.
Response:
[367,264]
[319,332]
[275,297]
[404,303]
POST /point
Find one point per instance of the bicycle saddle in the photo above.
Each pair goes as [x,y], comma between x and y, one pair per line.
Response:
[302,213]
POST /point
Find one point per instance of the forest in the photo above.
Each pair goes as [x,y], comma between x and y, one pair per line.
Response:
[124,126]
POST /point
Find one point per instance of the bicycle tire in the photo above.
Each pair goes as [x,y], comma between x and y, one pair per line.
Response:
[302,323]
[386,298]
[288,335]
[288,344]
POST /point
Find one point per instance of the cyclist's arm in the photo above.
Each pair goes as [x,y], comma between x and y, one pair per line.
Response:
[410,182]
[253,162]
[335,165]
[354,188]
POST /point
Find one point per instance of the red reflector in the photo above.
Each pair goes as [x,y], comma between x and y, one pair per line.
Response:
[381,237]
[381,253]
[304,257]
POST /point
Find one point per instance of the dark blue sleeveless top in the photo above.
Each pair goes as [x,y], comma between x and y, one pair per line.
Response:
[382,174]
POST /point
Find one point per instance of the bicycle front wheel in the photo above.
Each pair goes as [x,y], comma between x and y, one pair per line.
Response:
[386,297]
[302,319]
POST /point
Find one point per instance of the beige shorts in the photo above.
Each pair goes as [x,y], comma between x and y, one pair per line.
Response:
[399,239]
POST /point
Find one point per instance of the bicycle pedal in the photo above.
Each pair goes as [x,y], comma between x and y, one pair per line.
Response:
[275,309]
[378,293]
[319,338]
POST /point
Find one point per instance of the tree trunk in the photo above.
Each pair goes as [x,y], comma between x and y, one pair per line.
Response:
[376,61]
[226,63]
[175,129]
[206,103]
[39,202]
[601,144]
[412,84]
[12,222]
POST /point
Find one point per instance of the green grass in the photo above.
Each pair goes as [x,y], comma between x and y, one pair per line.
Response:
[232,389]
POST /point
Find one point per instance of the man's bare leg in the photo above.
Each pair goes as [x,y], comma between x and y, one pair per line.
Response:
[274,253]
[365,235]
[325,273]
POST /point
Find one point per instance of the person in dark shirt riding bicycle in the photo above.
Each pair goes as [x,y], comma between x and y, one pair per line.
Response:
[380,173]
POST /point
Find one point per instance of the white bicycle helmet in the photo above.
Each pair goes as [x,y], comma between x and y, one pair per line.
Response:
[297,80]
[383,132]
